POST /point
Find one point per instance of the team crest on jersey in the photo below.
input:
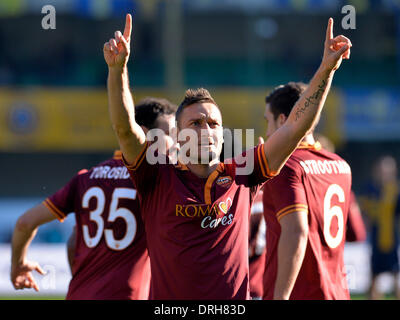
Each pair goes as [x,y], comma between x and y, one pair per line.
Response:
[225,181]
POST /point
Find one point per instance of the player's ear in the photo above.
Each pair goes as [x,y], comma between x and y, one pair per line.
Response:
[281,119]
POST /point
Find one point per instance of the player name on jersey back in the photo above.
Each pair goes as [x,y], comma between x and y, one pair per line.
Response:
[325,167]
[107,172]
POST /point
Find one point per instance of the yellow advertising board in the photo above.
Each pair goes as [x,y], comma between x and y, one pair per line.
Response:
[49,119]
[55,120]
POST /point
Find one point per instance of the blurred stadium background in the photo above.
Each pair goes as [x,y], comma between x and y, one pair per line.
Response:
[53,103]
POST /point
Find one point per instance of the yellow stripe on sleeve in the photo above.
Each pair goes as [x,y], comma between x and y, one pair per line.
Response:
[53,209]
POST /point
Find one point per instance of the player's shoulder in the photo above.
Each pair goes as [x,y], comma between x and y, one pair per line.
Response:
[307,156]
[115,160]
[329,155]
[293,163]
[82,174]
[316,152]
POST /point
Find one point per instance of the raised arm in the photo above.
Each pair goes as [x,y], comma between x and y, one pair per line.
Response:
[121,106]
[307,110]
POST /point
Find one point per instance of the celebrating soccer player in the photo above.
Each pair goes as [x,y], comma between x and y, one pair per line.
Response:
[305,208]
[110,258]
[197,210]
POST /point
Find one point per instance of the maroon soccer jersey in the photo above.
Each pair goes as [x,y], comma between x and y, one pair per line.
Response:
[257,247]
[318,182]
[111,259]
[197,229]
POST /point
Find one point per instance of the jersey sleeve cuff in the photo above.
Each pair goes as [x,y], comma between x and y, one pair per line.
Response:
[54,210]
[290,209]
[265,170]
[136,164]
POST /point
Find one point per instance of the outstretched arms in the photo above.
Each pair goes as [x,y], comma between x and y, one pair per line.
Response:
[306,112]
[121,106]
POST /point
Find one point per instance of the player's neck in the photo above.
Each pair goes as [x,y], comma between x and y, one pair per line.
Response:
[309,139]
[202,170]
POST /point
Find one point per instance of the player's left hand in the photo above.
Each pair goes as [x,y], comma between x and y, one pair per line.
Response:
[335,49]
[21,275]
[117,50]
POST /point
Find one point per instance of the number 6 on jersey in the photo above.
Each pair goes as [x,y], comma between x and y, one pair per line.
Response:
[330,213]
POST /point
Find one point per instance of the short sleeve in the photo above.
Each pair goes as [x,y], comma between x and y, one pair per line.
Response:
[252,167]
[285,193]
[143,174]
[62,202]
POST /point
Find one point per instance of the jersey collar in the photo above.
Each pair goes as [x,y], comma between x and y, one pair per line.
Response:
[304,145]
[180,166]
[117,155]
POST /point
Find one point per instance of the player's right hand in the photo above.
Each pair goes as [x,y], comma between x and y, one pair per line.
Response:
[21,275]
[335,48]
[117,50]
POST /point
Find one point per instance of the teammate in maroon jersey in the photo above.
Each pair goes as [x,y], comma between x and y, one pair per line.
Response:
[305,208]
[110,259]
[198,213]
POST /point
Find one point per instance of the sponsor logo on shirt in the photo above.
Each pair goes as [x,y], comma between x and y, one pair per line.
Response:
[212,215]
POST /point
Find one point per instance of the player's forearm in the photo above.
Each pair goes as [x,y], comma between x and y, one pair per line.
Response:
[21,239]
[302,118]
[121,105]
[307,110]
[291,250]
[71,244]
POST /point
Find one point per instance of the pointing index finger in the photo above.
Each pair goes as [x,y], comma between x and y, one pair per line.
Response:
[329,30]
[128,27]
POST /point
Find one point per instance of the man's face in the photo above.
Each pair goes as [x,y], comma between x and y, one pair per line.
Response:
[386,170]
[205,122]
[272,124]
[166,122]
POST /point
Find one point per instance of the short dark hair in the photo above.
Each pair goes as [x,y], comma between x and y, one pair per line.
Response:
[194,96]
[148,110]
[283,98]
